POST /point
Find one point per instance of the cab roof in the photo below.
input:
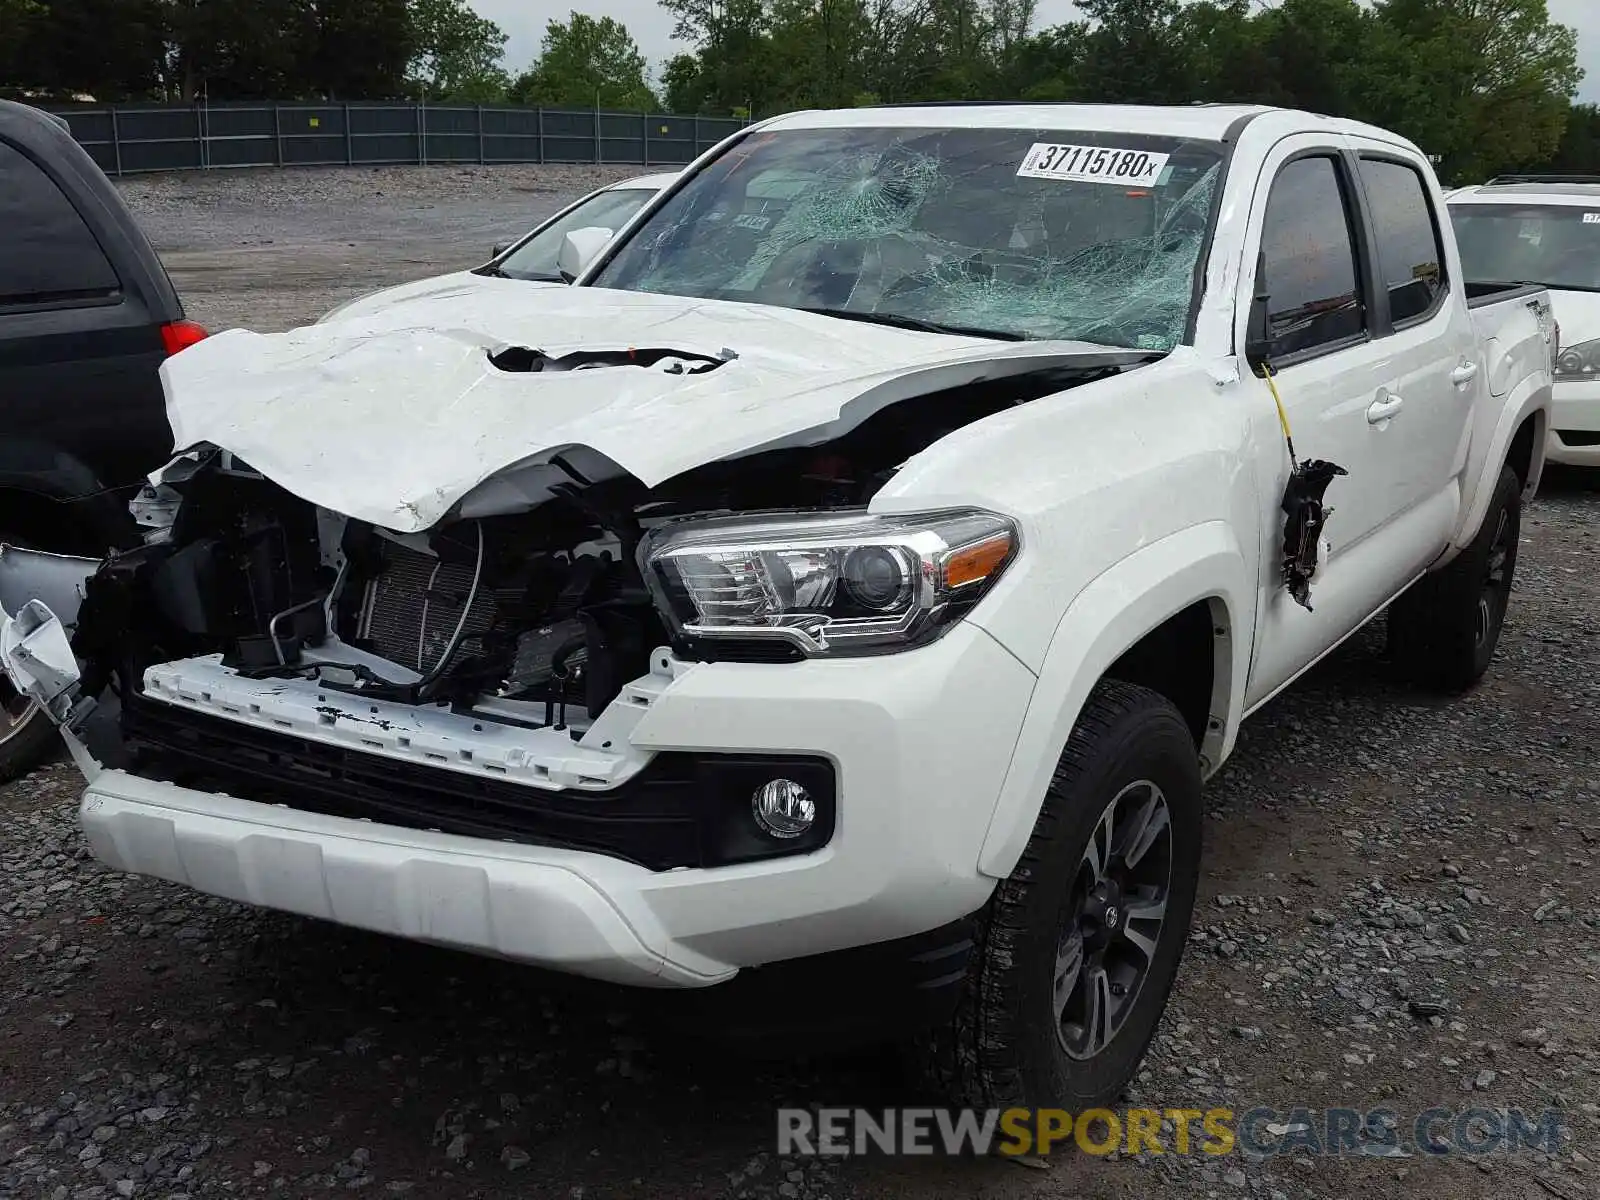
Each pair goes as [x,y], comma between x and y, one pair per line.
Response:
[1204,122]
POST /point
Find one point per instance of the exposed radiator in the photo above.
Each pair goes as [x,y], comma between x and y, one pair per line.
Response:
[412,608]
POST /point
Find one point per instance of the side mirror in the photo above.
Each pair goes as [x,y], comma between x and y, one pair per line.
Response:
[580,248]
[1259,344]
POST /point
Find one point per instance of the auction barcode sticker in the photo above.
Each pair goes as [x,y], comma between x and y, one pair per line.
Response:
[1591,218]
[1092,164]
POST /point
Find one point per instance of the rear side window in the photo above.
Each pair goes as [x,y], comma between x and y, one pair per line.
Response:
[1407,233]
[1315,294]
[47,254]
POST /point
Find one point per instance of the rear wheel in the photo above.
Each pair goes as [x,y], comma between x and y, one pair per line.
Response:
[1444,629]
[1078,949]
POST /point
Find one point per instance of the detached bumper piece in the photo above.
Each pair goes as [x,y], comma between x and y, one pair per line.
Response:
[682,810]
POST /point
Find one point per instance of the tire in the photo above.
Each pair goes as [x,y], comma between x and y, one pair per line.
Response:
[1010,1042]
[27,735]
[1443,630]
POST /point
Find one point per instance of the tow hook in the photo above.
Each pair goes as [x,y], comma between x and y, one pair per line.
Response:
[38,658]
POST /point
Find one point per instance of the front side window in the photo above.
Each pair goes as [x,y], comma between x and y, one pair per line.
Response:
[536,258]
[1556,245]
[48,256]
[1409,253]
[1012,233]
[1310,259]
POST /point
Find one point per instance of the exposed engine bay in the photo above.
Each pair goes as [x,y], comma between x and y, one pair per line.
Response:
[537,618]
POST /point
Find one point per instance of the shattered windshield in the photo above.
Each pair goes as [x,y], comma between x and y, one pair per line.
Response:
[1014,232]
[1554,245]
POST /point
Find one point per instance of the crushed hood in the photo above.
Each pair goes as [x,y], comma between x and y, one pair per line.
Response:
[395,416]
[439,287]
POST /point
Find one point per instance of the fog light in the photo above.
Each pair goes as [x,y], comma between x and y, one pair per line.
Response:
[783,808]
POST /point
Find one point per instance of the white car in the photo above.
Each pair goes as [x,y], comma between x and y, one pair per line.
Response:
[532,258]
[845,587]
[1546,230]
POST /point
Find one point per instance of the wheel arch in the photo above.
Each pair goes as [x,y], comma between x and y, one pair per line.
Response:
[1517,440]
[1176,615]
[58,502]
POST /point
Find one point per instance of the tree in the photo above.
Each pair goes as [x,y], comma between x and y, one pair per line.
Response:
[456,54]
[820,51]
[1134,52]
[362,49]
[1482,83]
[684,84]
[735,51]
[1579,151]
[586,62]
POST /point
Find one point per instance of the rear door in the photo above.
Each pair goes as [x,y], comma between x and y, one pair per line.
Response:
[1426,333]
[79,346]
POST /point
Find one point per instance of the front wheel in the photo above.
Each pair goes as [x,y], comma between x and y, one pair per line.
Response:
[27,735]
[1444,629]
[1077,950]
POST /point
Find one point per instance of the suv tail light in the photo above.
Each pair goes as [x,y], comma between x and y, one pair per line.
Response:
[180,335]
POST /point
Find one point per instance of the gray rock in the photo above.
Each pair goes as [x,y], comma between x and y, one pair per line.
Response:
[514,1158]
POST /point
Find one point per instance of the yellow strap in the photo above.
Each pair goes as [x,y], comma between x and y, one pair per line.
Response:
[1283,417]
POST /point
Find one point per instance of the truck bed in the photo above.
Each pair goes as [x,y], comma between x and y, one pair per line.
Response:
[1480,294]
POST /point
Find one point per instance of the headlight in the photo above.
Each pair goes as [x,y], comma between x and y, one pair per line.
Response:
[1579,362]
[830,585]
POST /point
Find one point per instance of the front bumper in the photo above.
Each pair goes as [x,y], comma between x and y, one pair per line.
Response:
[1574,438]
[919,742]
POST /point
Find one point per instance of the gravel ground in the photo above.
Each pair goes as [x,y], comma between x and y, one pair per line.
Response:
[1400,908]
[269,250]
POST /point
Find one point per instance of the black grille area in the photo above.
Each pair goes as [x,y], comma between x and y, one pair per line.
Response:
[683,810]
[1578,437]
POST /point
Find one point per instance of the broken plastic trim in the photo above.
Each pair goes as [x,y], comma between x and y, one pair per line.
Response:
[38,659]
[525,359]
[1304,518]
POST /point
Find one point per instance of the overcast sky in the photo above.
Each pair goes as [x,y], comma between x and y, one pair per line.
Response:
[652,27]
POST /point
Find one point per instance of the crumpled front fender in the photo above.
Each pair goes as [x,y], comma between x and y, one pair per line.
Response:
[38,658]
[40,595]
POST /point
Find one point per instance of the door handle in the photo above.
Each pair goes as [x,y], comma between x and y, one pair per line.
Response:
[1465,373]
[1385,406]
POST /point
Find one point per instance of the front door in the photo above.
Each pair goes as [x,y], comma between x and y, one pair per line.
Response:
[1341,392]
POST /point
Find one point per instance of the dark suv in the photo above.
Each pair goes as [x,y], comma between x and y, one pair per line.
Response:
[87,314]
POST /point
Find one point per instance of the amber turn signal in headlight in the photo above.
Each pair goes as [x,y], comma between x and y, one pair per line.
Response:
[829,584]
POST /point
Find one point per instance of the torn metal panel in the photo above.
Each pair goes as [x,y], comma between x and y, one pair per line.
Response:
[397,417]
[38,659]
[56,579]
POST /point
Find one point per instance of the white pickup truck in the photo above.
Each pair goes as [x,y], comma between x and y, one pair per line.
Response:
[853,578]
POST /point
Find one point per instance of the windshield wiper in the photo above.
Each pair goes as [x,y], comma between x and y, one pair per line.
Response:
[899,322]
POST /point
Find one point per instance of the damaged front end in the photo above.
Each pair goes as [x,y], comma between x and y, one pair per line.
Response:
[484,677]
